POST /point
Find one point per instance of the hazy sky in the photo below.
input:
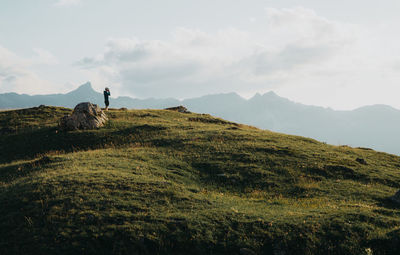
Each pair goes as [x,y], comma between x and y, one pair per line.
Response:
[342,54]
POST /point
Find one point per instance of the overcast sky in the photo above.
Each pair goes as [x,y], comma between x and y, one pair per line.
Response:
[341,54]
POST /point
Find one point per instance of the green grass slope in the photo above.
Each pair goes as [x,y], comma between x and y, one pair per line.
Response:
[163,182]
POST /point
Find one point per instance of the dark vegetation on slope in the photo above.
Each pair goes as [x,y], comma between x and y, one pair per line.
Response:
[156,181]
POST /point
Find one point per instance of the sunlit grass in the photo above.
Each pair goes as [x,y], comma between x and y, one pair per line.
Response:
[156,181]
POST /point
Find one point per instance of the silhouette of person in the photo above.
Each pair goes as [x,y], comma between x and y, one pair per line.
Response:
[106,95]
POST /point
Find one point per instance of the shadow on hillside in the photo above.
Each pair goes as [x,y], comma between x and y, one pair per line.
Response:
[387,203]
[29,145]
[236,176]
[10,173]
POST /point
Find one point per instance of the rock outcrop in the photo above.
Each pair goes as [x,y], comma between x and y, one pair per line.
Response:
[178,109]
[85,116]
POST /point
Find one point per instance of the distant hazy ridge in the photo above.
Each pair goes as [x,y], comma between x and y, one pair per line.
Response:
[375,126]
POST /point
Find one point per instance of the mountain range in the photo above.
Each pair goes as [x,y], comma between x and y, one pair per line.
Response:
[375,126]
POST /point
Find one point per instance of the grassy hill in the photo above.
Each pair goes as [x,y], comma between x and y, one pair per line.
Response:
[163,182]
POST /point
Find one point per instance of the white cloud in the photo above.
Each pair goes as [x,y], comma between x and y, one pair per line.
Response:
[16,73]
[67,2]
[44,57]
[294,52]
[288,43]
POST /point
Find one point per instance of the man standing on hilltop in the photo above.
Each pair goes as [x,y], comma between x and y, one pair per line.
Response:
[106,95]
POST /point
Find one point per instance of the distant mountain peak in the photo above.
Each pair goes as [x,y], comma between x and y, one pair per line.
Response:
[257,95]
[271,94]
[376,108]
[86,85]
[268,95]
[230,95]
[84,89]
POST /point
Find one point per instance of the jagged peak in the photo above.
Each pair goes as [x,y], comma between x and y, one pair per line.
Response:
[269,94]
[86,85]
[84,88]
[256,95]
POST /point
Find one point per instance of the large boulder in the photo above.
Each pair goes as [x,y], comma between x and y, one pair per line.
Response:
[85,116]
